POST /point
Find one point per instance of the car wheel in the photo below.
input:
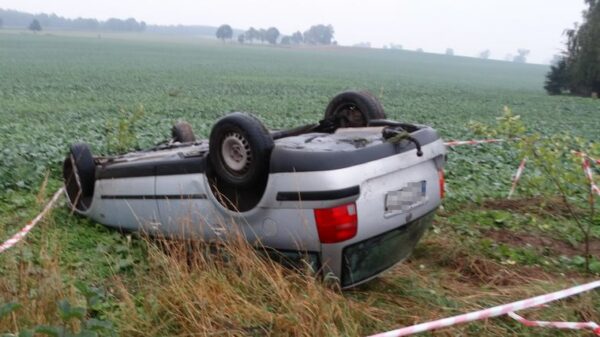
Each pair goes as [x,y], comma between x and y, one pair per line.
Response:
[182,132]
[354,109]
[239,149]
[79,172]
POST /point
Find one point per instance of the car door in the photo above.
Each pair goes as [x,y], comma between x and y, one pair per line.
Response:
[129,203]
[184,208]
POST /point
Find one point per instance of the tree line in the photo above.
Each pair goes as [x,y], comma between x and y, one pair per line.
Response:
[577,70]
[12,18]
[315,35]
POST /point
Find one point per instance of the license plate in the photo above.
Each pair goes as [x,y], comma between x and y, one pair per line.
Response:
[412,195]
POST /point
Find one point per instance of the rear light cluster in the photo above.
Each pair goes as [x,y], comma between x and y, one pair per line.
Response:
[336,224]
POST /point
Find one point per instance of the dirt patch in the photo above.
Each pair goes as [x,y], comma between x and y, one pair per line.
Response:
[468,268]
[536,205]
[478,271]
[484,271]
[541,242]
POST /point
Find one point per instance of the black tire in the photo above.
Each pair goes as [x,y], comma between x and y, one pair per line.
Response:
[240,149]
[380,111]
[79,172]
[354,109]
[182,132]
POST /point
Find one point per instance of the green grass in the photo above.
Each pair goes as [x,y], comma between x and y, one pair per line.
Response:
[57,89]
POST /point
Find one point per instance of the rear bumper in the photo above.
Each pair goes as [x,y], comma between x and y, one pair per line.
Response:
[366,259]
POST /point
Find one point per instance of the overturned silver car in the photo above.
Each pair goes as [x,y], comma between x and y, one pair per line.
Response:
[352,194]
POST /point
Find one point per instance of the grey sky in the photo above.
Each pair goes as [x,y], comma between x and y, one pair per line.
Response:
[468,26]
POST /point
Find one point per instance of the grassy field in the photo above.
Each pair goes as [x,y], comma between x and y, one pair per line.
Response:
[57,89]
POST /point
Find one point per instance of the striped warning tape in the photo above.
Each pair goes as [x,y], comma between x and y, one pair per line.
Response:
[587,169]
[517,177]
[557,325]
[583,154]
[588,173]
[491,312]
[23,232]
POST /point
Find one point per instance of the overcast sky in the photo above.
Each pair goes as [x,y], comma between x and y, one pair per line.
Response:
[467,26]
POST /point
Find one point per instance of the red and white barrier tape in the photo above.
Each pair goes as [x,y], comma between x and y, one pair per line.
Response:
[517,176]
[473,142]
[557,325]
[587,169]
[491,312]
[23,232]
[583,154]
[588,173]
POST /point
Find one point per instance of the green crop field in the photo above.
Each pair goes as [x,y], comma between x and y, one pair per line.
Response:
[56,89]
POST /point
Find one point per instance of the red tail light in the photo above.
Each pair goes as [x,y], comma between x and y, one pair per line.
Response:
[442,184]
[336,224]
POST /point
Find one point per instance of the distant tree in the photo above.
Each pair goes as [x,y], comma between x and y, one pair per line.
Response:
[118,25]
[47,21]
[485,54]
[297,38]
[35,26]
[224,32]
[396,46]
[579,69]
[286,40]
[262,35]
[419,50]
[1,22]
[522,57]
[114,24]
[319,34]
[557,79]
[241,38]
[271,35]
[86,24]
[251,34]
[450,51]
[131,25]
[556,59]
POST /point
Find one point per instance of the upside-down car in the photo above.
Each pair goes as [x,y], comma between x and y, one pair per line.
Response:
[352,194]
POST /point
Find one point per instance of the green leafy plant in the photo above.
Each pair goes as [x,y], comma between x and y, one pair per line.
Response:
[560,174]
[507,125]
[75,321]
[121,134]
[8,308]
[553,170]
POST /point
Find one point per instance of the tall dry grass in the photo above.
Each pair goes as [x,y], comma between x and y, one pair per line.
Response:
[31,276]
[230,289]
[182,288]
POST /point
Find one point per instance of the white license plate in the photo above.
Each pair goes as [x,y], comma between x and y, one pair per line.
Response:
[412,195]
